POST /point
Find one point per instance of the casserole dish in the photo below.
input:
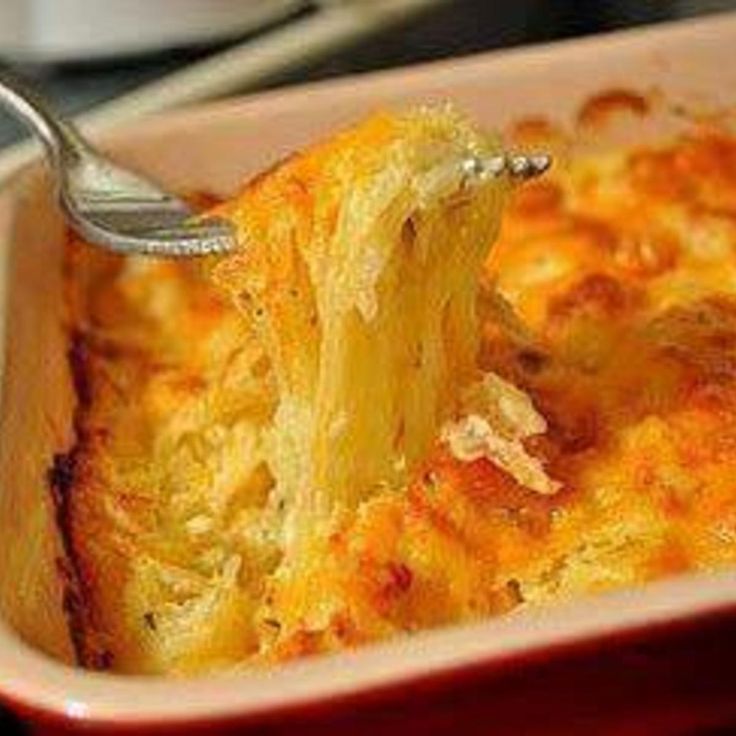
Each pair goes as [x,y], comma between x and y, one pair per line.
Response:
[225,142]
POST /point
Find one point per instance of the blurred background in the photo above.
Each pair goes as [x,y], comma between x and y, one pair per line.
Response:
[112,59]
[84,53]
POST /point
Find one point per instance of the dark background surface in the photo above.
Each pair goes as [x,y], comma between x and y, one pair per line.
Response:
[459,27]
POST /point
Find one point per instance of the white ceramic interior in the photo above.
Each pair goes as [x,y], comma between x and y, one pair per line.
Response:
[216,147]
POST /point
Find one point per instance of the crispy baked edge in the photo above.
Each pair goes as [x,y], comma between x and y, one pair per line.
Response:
[61,478]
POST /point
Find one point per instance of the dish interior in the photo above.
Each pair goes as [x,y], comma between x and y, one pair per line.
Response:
[225,145]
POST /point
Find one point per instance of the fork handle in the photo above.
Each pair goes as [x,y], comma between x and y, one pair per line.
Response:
[61,140]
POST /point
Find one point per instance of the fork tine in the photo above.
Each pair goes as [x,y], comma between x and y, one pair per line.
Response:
[189,239]
[208,237]
[518,167]
[527,167]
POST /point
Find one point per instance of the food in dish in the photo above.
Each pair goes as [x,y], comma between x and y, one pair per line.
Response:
[372,420]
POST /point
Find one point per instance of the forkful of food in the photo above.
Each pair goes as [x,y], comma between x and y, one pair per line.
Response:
[121,211]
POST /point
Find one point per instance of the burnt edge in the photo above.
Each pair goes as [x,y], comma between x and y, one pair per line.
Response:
[61,479]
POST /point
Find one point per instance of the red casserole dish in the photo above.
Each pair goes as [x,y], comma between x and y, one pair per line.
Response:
[632,660]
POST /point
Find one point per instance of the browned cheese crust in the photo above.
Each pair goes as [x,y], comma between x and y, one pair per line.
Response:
[620,270]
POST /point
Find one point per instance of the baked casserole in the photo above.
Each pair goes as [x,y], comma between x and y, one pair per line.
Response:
[397,408]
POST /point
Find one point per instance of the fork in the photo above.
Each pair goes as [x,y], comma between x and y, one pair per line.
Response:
[112,207]
[105,203]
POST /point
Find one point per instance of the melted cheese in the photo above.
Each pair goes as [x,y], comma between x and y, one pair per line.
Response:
[501,417]
[362,258]
[589,427]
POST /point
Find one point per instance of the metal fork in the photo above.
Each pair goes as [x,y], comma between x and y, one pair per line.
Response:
[106,204]
[123,212]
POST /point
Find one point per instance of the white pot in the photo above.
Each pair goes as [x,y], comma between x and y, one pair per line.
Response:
[57,30]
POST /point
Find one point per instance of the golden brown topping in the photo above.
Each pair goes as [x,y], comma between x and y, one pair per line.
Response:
[600,109]
[612,347]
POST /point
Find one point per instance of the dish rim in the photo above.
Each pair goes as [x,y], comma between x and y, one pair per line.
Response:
[35,684]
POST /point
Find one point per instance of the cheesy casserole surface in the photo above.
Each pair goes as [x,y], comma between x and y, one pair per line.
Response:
[372,419]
